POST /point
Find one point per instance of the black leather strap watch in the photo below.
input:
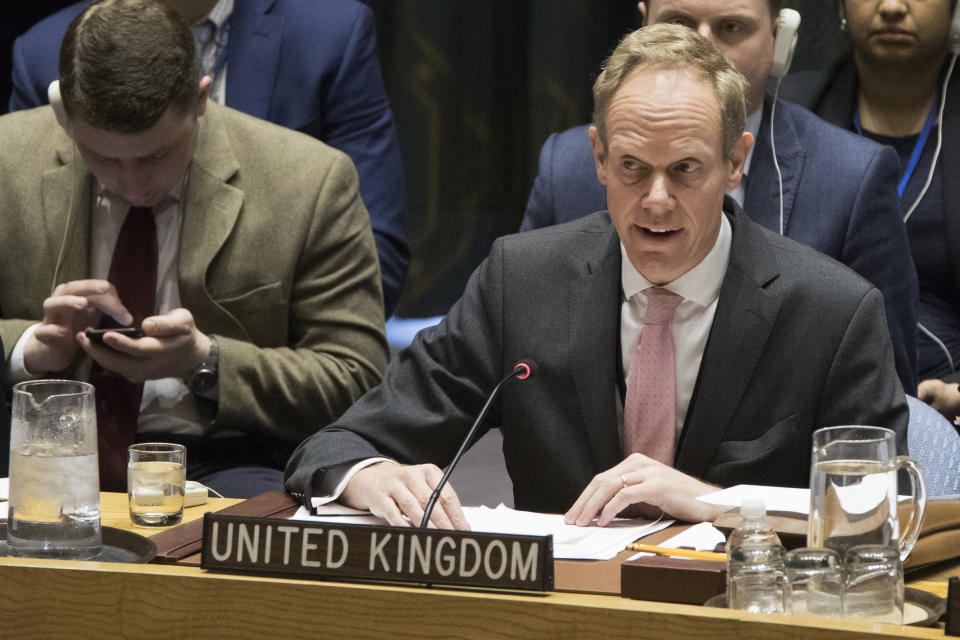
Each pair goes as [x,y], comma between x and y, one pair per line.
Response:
[203,378]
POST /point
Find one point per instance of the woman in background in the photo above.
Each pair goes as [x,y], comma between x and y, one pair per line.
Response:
[896,88]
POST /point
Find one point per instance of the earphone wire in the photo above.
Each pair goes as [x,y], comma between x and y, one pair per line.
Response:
[66,226]
[936,152]
[773,148]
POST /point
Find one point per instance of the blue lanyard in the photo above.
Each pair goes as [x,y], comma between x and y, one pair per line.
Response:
[917,148]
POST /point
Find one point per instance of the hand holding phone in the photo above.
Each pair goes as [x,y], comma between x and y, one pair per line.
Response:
[96,335]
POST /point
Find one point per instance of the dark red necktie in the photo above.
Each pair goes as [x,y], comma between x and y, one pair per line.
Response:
[133,271]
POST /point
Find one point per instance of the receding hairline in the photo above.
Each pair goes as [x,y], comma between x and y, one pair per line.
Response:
[690,71]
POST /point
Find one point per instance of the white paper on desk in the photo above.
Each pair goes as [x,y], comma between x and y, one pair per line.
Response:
[789,499]
[702,537]
[570,542]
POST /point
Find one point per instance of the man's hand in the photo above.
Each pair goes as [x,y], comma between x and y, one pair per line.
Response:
[170,347]
[640,479]
[942,396]
[73,306]
[399,494]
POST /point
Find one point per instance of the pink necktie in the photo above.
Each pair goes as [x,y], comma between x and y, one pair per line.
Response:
[650,407]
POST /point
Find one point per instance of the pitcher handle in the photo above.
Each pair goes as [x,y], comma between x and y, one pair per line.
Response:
[919,494]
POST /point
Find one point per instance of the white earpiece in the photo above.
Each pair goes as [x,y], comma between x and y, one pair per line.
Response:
[53,94]
[785,43]
[955,31]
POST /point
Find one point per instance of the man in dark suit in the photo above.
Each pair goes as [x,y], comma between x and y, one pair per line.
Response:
[309,65]
[839,193]
[770,340]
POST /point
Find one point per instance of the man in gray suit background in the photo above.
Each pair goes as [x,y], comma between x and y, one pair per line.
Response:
[763,340]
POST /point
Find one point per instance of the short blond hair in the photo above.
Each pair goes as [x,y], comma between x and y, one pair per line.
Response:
[666,47]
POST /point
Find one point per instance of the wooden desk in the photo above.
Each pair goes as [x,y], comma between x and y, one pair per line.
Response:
[114,512]
[56,599]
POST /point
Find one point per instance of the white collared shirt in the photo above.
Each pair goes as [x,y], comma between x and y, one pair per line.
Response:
[206,33]
[751,126]
[700,289]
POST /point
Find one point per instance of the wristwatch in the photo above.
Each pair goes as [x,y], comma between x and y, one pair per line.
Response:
[203,377]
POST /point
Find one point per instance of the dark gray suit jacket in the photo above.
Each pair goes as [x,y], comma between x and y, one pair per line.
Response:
[798,342]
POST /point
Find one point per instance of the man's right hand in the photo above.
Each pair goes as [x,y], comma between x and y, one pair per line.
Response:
[399,494]
[73,307]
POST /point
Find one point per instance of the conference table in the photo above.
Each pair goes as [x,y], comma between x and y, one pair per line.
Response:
[102,600]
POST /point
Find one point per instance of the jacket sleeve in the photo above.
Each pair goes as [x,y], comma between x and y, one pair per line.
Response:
[336,348]
[357,119]
[429,396]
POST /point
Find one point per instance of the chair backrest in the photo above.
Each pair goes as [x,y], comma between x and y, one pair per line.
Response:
[935,444]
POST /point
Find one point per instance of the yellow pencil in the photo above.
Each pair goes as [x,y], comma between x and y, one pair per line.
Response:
[678,553]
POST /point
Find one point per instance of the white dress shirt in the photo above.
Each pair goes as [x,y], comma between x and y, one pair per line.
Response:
[700,289]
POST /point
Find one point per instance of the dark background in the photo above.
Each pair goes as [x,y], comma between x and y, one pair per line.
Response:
[476,87]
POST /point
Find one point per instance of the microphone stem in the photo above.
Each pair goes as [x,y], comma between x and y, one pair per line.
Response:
[428,510]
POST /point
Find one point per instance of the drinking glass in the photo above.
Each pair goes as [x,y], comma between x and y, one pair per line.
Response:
[853,491]
[874,586]
[156,475]
[54,508]
[816,581]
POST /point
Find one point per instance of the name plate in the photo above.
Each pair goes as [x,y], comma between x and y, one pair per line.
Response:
[302,549]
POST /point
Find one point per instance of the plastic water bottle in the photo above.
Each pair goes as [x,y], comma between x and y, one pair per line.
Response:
[756,576]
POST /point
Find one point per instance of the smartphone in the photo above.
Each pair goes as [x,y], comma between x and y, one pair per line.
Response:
[96,335]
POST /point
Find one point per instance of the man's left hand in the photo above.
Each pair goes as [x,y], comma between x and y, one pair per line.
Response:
[170,347]
[639,479]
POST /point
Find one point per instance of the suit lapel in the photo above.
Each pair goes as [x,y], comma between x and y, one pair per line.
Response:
[746,313]
[251,68]
[762,197]
[594,325]
[68,238]
[211,207]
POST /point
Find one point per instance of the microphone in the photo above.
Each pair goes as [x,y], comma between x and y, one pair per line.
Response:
[523,370]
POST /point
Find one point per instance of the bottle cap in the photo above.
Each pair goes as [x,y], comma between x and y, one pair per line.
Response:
[753,509]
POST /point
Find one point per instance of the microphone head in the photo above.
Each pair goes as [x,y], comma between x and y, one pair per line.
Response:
[524,369]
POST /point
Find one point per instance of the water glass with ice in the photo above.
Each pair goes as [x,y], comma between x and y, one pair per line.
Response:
[54,506]
[156,474]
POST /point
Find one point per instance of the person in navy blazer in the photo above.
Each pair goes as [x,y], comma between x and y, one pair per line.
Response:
[839,197]
[309,65]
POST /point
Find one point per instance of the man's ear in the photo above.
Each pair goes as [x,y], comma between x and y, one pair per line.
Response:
[203,93]
[737,159]
[599,153]
[642,7]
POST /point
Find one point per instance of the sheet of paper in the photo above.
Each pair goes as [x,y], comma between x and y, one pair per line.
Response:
[4,488]
[702,537]
[789,499]
[569,541]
